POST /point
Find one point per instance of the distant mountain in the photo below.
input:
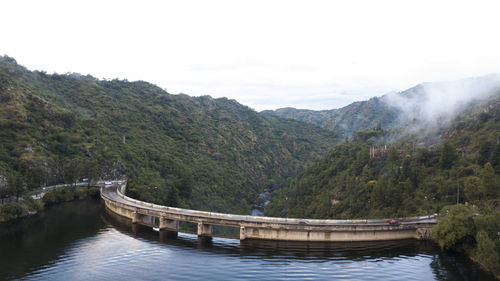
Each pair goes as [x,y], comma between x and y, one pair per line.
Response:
[421,110]
[200,152]
[197,152]
[346,120]
[365,177]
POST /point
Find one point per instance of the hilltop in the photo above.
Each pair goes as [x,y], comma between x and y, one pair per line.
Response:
[365,177]
[196,152]
[346,120]
[420,113]
[447,164]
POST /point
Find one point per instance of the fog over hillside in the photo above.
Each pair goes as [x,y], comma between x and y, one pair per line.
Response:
[421,110]
[430,106]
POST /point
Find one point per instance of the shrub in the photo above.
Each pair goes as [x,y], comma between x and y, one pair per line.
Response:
[486,253]
[93,192]
[456,228]
[12,210]
[32,204]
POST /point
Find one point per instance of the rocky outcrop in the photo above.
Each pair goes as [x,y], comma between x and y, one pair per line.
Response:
[114,170]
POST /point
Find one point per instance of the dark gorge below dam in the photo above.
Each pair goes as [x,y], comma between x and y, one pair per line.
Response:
[80,241]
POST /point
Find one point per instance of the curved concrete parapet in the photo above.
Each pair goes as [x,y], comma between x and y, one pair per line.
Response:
[256,227]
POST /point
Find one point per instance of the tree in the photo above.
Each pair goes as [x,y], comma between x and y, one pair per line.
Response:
[495,158]
[489,186]
[456,228]
[488,221]
[185,184]
[485,150]
[472,190]
[35,177]
[448,156]
[91,171]
[72,170]
[16,184]
[486,254]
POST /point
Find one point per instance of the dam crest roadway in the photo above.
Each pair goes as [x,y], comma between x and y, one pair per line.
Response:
[256,227]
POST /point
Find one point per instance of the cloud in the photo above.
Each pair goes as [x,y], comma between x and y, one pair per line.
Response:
[432,105]
[294,49]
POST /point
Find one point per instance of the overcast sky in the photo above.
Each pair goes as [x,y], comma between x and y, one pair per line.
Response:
[264,54]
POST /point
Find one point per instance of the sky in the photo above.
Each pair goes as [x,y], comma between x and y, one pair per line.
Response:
[264,54]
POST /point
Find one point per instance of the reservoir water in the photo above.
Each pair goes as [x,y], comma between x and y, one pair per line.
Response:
[79,241]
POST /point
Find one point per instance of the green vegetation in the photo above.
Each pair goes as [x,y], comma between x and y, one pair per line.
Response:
[368,176]
[19,209]
[396,182]
[345,121]
[473,230]
[195,152]
[217,155]
[67,194]
[29,205]
[365,177]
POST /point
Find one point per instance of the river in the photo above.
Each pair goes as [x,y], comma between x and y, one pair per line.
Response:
[79,241]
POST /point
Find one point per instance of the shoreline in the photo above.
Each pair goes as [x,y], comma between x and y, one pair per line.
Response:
[28,206]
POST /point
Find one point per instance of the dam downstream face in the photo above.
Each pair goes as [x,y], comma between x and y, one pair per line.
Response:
[79,241]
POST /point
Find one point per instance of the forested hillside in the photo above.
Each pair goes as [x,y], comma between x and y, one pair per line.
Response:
[451,168]
[421,110]
[347,120]
[197,152]
[365,177]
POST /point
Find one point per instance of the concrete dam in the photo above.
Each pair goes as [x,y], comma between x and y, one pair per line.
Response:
[167,218]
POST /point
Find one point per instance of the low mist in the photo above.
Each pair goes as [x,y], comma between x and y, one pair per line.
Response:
[430,106]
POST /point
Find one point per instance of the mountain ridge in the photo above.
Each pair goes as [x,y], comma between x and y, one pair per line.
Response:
[421,105]
[199,152]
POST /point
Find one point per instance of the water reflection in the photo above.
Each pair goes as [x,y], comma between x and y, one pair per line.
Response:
[268,248]
[78,241]
[421,259]
[37,241]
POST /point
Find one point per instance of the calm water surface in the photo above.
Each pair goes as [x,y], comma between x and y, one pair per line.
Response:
[78,241]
